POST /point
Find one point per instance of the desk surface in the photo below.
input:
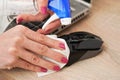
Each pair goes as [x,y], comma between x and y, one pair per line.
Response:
[104,21]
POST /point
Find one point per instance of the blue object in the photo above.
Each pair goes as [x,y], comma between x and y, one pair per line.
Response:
[61,8]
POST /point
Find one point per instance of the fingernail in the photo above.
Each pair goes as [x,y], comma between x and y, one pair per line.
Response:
[64,60]
[61,45]
[44,10]
[43,69]
[19,20]
[56,68]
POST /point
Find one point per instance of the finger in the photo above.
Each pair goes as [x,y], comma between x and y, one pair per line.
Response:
[44,51]
[51,27]
[26,65]
[30,17]
[42,39]
[34,60]
[42,5]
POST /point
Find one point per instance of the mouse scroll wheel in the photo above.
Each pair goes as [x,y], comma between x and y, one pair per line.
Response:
[76,39]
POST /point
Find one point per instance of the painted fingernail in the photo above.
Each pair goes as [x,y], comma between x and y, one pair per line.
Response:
[19,20]
[44,10]
[61,45]
[43,70]
[64,60]
[56,68]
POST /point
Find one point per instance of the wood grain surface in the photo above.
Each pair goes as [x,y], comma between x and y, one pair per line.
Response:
[104,21]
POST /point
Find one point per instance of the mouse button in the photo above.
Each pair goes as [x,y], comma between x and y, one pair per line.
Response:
[90,44]
[91,53]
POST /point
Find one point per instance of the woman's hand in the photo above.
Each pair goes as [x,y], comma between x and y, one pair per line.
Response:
[42,14]
[22,47]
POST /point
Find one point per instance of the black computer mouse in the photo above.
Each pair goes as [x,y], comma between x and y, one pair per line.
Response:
[82,45]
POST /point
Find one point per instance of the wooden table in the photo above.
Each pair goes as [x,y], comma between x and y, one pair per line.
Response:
[104,21]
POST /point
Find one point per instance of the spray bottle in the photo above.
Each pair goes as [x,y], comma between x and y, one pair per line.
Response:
[61,9]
